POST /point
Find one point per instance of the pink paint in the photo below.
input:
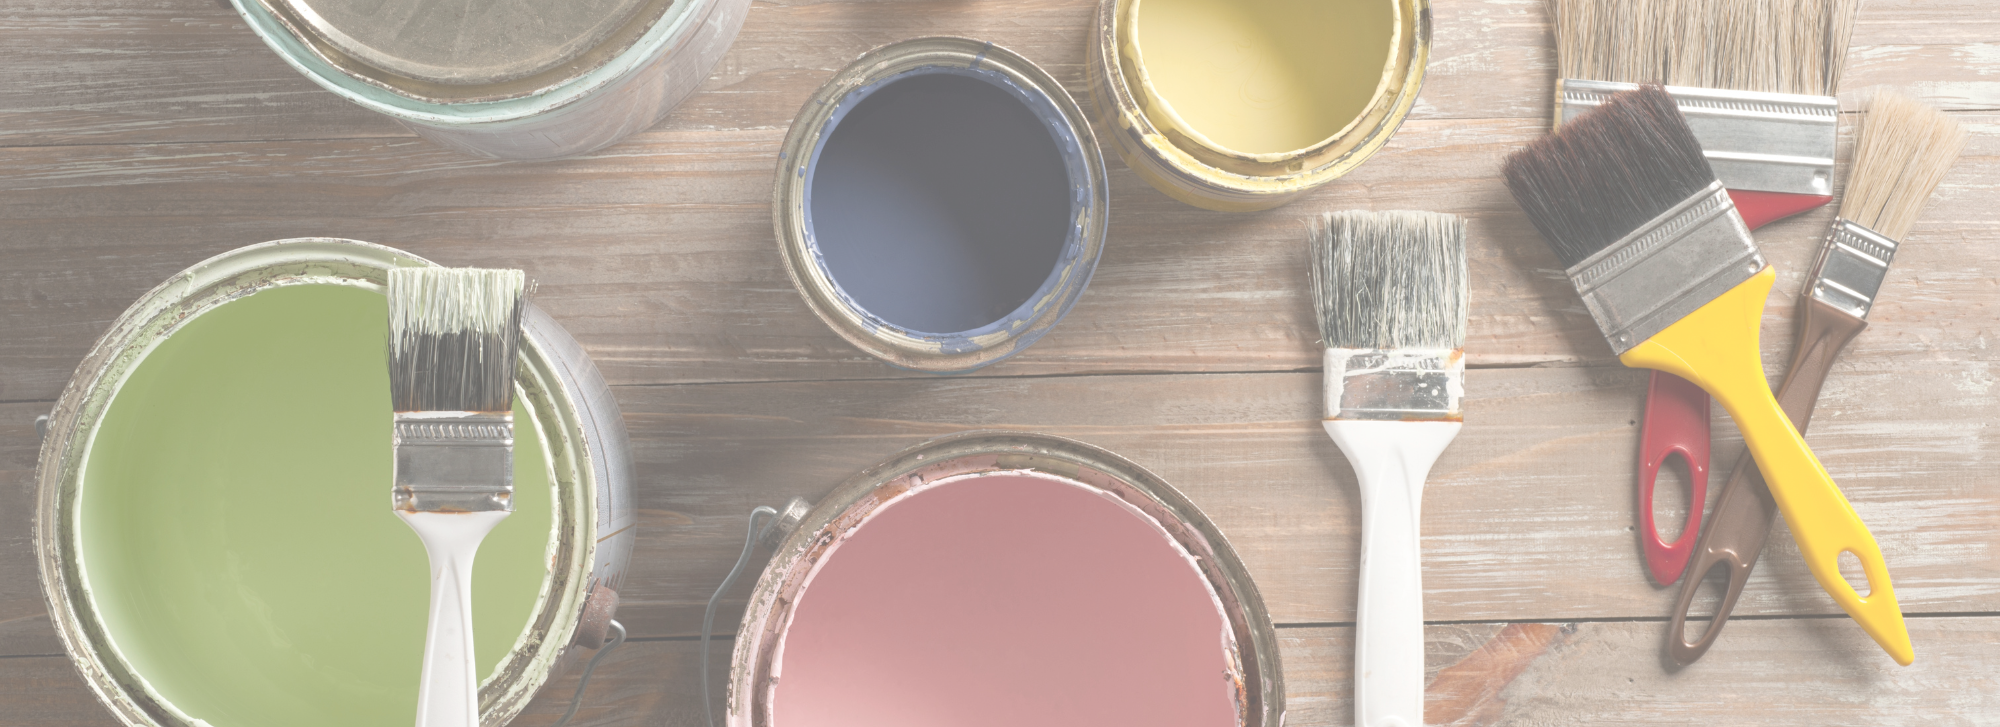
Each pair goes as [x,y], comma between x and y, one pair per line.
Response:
[1003,600]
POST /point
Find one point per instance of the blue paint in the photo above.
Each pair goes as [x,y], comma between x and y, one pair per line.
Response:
[945,202]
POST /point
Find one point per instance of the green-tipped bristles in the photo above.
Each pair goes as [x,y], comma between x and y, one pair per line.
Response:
[1385,280]
[454,334]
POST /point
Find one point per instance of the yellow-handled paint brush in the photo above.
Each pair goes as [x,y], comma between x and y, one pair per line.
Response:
[1673,279]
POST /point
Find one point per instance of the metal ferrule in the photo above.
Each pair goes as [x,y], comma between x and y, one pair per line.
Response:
[1850,267]
[1395,384]
[1768,142]
[1670,266]
[454,461]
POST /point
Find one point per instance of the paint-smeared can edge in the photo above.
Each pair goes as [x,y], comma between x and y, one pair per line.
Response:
[1258,675]
[156,315]
[920,351]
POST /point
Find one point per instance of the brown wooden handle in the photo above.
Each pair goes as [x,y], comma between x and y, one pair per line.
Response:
[1743,516]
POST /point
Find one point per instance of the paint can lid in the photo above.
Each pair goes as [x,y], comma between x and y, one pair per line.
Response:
[451,50]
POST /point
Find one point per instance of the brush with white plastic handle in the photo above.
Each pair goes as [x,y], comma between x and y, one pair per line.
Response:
[1390,290]
[454,335]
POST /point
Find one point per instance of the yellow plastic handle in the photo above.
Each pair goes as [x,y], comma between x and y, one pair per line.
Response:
[1716,348]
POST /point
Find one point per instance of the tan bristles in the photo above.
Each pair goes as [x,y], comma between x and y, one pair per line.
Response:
[1779,46]
[1904,150]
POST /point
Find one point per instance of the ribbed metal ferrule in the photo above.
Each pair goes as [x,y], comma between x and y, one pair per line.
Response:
[453,461]
[1670,266]
[1851,267]
[1397,384]
[1767,142]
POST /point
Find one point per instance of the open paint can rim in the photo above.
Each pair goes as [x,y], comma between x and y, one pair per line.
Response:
[545,380]
[662,27]
[1020,79]
[1207,175]
[1256,675]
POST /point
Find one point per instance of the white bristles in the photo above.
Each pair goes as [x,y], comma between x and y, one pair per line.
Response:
[1389,279]
[453,337]
[1904,150]
[1778,46]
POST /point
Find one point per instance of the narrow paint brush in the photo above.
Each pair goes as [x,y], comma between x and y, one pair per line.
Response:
[1390,292]
[454,335]
[1904,151]
[1673,279]
[1755,79]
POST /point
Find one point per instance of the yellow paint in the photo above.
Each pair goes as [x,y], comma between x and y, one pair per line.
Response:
[1716,348]
[1264,76]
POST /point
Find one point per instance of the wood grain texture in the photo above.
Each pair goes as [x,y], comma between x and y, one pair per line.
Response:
[143,136]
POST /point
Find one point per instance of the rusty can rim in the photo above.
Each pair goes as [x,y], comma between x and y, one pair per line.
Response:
[1257,670]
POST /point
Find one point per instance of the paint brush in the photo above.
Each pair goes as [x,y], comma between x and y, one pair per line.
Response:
[1755,79]
[1904,150]
[454,335]
[1674,281]
[1390,292]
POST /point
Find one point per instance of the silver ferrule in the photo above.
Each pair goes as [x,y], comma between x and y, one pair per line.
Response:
[1851,267]
[1396,384]
[1767,142]
[1670,266]
[453,461]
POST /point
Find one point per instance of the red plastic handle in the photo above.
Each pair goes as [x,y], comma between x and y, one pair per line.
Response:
[1676,422]
[1762,208]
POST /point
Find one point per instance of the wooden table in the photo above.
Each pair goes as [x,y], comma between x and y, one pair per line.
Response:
[141,137]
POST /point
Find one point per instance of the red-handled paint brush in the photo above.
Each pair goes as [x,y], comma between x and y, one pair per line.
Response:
[1755,80]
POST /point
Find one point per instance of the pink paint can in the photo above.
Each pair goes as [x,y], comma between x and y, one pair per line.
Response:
[997,579]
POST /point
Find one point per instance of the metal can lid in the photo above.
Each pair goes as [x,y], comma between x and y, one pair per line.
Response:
[456,43]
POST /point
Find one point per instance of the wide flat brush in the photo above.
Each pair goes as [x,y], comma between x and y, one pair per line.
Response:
[1389,289]
[1904,150]
[454,335]
[1755,79]
[1675,283]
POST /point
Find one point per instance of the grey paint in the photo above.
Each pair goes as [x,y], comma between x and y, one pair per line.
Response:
[940,200]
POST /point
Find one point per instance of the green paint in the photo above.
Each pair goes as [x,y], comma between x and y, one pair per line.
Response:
[236,530]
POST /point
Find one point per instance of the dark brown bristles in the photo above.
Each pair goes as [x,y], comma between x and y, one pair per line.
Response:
[454,336]
[1607,172]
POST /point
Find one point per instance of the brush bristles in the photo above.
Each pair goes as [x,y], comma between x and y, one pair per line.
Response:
[1607,172]
[454,334]
[1778,46]
[1389,279]
[1904,150]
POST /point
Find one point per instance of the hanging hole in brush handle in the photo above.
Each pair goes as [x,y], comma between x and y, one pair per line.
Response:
[1675,424]
[1733,540]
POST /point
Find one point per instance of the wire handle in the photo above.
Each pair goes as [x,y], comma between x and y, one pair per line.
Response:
[750,539]
[617,637]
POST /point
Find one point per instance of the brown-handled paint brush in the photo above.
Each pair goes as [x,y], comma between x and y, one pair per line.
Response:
[454,335]
[1755,79]
[1905,148]
[1673,279]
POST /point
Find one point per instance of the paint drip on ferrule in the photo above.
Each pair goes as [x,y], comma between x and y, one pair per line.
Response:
[1395,384]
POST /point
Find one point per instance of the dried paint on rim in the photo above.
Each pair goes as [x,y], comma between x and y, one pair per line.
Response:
[1251,641]
[954,352]
[570,101]
[1183,163]
[587,451]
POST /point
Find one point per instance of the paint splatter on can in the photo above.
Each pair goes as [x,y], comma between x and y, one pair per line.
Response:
[940,203]
[999,578]
[509,80]
[1238,105]
[213,520]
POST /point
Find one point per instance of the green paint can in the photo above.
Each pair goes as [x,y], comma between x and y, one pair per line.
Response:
[214,530]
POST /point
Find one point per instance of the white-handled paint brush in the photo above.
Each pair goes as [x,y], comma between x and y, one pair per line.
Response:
[1390,290]
[454,334]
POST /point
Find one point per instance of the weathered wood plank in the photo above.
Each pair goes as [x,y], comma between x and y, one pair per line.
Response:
[658,254]
[187,70]
[1767,672]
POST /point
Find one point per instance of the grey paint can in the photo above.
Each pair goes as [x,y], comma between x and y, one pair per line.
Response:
[514,79]
[941,203]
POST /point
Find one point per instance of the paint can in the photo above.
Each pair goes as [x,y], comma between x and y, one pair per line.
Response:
[1035,595]
[940,203]
[505,80]
[1234,105]
[162,648]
